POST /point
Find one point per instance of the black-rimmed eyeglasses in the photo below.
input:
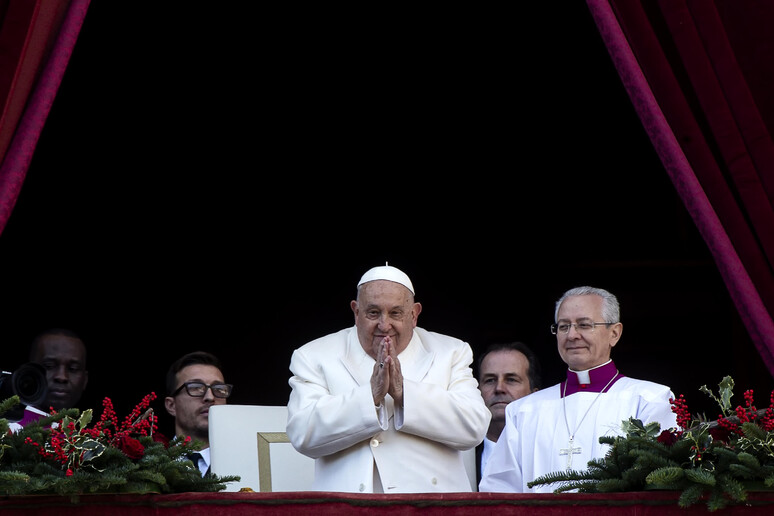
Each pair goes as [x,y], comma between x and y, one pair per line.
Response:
[580,327]
[199,389]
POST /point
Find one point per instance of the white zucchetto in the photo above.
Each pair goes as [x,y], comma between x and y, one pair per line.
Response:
[389,273]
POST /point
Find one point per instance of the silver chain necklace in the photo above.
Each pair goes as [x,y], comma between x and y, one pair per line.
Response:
[570,450]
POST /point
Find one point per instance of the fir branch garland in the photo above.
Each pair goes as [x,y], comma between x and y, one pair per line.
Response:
[65,454]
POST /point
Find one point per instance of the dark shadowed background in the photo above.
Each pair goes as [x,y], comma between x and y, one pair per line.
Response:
[219,179]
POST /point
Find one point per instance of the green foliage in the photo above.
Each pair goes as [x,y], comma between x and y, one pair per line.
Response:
[725,393]
[665,478]
[35,460]
[719,461]
[691,495]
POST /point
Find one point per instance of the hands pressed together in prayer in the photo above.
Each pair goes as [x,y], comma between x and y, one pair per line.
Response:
[387,377]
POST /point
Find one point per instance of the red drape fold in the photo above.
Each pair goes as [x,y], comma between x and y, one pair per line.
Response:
[38,39]
[679,65]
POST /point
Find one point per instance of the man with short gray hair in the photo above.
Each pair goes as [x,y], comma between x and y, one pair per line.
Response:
[558,428]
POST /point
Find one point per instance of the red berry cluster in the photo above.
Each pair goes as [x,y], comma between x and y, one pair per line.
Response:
[749,414]
[680,408]
[744,414]
[60,446]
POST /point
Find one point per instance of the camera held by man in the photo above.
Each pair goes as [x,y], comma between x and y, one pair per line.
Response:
[29,383]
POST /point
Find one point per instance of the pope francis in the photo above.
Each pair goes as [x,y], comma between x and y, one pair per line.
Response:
[385,406]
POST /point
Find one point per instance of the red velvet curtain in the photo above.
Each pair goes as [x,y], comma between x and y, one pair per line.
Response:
[36,40]
[700,74]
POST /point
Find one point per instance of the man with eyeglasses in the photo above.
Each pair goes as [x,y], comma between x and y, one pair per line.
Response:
[558,428]
[194,384]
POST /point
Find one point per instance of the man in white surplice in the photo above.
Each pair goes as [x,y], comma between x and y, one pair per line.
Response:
[558,428]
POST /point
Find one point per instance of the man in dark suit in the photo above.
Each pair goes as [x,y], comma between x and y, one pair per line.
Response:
[194,384]
[506,372]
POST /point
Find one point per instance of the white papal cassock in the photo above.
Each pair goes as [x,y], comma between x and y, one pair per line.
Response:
[536,440]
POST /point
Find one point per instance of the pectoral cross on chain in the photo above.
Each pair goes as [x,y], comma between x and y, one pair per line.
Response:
[570,451]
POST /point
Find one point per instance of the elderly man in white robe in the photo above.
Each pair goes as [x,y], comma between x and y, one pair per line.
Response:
[558,428]
[385,406]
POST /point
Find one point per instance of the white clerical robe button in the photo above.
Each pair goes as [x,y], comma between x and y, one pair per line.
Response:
[362,487]
[374,443]
[434,481]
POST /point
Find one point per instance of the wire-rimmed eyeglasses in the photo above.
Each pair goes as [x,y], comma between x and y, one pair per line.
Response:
[581,327]
[199,389]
